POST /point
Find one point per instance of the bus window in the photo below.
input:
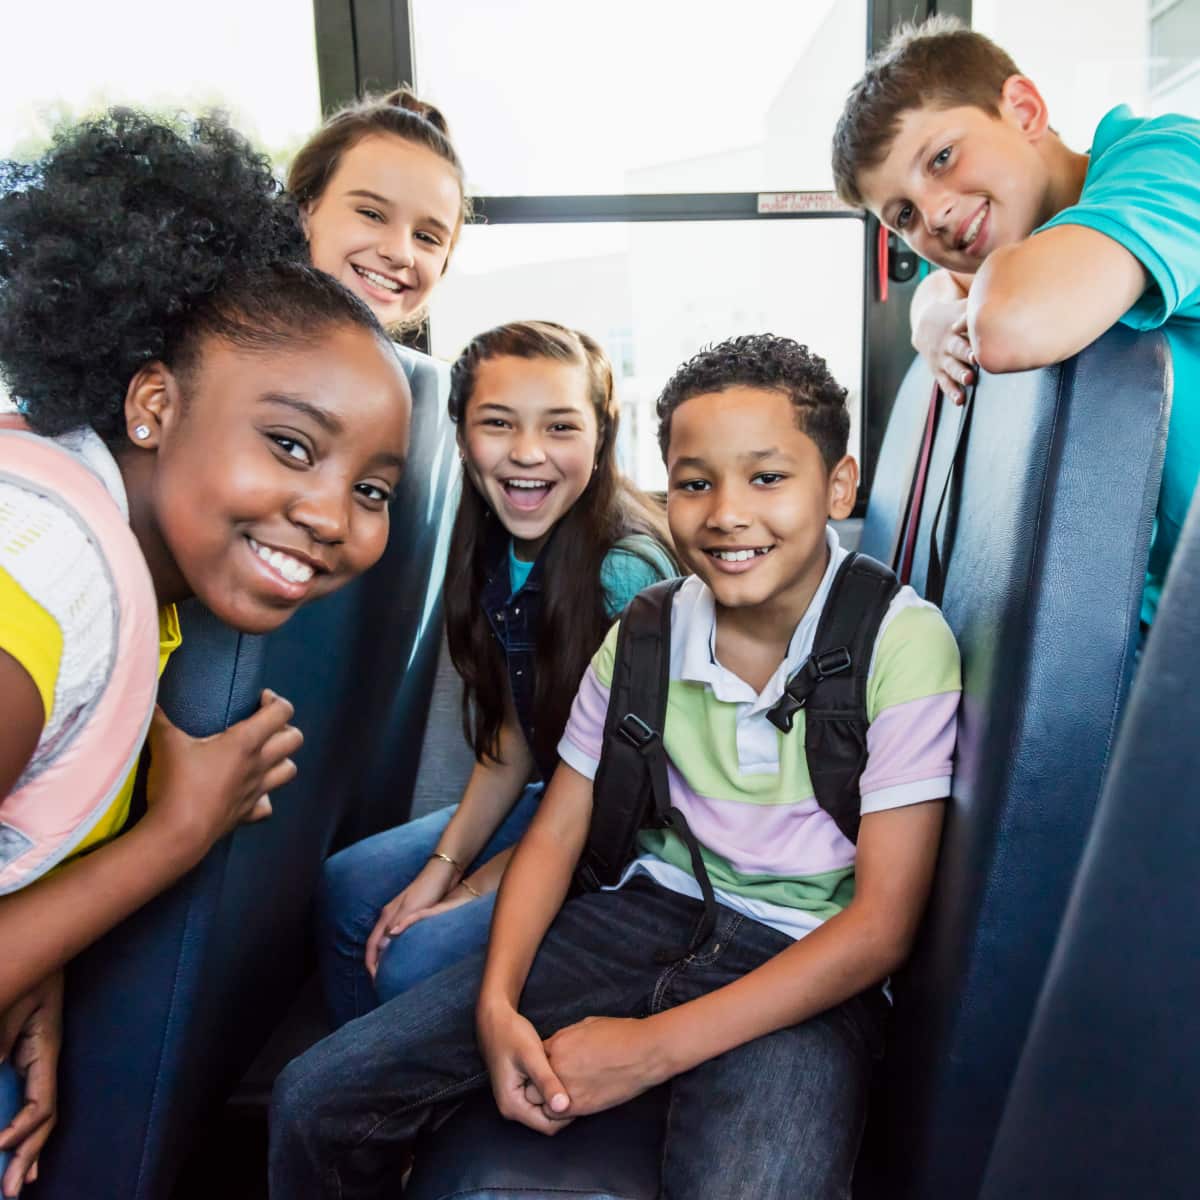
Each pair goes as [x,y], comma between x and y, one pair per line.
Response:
[694,126]
[652,293]
[550,99]
[257,62]
[1144,53]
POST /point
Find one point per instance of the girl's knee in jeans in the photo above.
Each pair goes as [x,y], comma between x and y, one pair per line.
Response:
[410,959]
[335,899]
[432,945]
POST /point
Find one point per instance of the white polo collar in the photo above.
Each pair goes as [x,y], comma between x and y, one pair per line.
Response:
[699,660]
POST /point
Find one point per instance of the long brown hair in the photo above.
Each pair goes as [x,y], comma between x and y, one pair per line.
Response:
[399,113]
[573,620]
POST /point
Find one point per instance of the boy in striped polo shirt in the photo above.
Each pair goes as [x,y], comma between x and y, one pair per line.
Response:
[766,1031]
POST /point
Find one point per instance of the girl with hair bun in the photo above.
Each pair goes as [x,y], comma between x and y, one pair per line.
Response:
[550,543]
[383,199]
[201,413]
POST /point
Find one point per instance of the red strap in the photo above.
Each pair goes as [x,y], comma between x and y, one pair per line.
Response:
[913,516]
[882,265]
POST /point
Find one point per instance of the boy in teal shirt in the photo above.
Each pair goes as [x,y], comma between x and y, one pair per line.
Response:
[1044,248]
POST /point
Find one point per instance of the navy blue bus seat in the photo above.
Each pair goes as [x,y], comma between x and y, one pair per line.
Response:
[1051,520]
[1105,1099]
[131,999]
[1051,525]
[165,1013]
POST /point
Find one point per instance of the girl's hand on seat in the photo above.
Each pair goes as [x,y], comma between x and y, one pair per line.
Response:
[523,1082]
[434,880]
[202,788]
[31,1037]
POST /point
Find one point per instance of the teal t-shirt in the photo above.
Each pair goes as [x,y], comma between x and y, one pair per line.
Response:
[634,563]
[518,570]
[1143,190]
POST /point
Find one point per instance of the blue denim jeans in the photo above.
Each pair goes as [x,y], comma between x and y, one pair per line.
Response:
[777,1119]
[358,881]
[12,1098]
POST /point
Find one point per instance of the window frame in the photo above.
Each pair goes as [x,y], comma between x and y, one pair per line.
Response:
[368,45]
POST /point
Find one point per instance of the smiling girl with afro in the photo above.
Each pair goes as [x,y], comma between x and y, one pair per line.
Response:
[200,413]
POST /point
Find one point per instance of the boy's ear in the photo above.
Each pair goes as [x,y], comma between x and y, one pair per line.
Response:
[843,488]
[152,401]
[1022,104]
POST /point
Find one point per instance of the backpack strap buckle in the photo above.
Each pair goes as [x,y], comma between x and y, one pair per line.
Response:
[832,662]
[801,685]
[637,733]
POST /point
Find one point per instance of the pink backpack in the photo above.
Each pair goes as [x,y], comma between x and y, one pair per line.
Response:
[58,802]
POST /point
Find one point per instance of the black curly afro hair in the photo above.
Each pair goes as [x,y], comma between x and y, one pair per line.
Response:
[129,239]
[763,360]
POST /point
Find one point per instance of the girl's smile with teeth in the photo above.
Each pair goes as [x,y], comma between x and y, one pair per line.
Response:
[384,281]
[290,569]
[526,494]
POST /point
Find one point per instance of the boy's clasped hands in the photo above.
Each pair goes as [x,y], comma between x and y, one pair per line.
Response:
[584,1068]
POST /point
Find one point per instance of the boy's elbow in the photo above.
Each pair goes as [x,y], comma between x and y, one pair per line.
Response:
[886,944]
[1000,342]
[891,950]
[898,949]
[1006,326]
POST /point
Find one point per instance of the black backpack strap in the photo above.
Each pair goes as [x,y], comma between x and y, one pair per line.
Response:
[632,789]
[623,795]
[831,687]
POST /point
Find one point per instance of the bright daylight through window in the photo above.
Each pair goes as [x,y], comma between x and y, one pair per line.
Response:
[673,97]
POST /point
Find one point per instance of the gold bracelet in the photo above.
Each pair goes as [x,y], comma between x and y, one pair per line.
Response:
[447,859]
[464,883]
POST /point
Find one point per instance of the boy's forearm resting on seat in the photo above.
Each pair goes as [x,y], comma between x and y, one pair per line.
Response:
[850,952]
[1044,299]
